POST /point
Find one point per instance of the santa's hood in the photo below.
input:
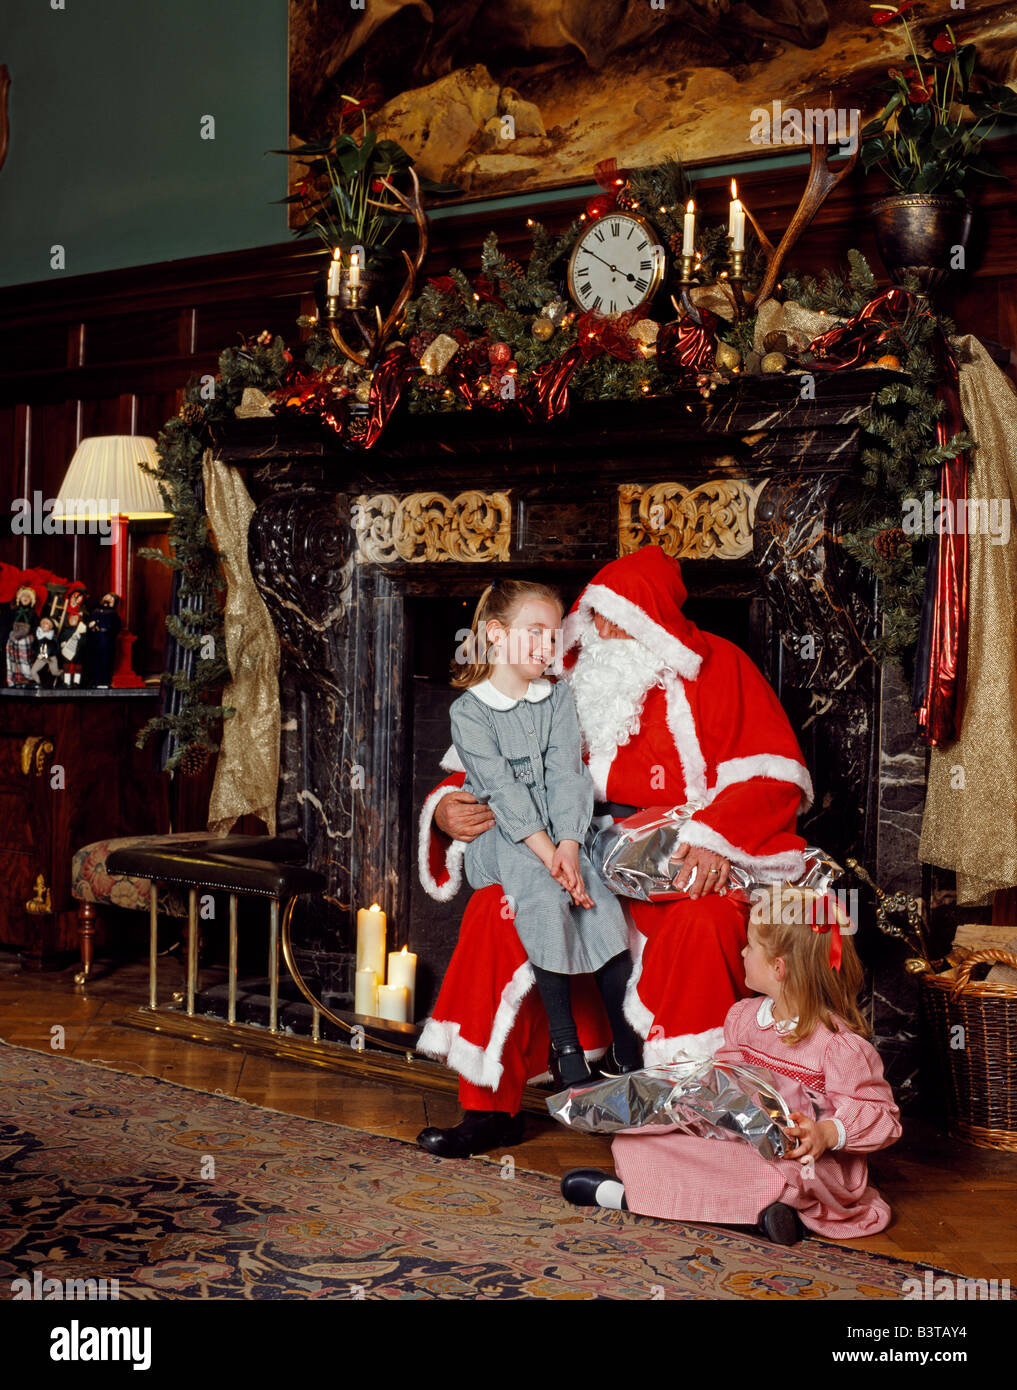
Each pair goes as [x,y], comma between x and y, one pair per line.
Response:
[643,593]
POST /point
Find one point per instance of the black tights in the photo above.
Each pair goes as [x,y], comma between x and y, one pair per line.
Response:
[612,979]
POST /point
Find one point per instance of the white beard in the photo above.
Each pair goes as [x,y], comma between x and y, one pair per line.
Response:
[610,681]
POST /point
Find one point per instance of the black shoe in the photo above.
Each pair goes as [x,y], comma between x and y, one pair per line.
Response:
[476,1132]
[568,1066]
[579,1186]
[780,1223]
[610,1067]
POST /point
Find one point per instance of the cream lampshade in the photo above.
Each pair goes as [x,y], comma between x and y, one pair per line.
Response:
[104,480]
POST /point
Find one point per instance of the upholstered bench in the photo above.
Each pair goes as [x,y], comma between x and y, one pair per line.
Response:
[97,885]
[200,866]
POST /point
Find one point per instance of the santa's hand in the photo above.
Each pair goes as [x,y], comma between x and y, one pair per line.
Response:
[711,874]
[565,870]
[462,817]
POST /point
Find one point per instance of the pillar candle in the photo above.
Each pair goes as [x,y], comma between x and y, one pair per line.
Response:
[402,970]
[371,940]
[736,221]
[393,1002]
[334,272]
[354,269]
[689,242]
[365,1000]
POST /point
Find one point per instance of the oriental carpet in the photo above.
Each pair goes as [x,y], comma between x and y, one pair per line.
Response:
[185,1195]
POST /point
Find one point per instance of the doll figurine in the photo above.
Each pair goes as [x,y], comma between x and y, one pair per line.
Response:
[100,653]
[45,650]
[19,643]
[73,641]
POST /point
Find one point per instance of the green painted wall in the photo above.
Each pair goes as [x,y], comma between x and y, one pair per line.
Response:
[106,155]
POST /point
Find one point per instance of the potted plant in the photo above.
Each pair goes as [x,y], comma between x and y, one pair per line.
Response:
[928,141]
[345,194]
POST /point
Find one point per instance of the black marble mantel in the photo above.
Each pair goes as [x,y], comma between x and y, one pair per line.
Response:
[343,622]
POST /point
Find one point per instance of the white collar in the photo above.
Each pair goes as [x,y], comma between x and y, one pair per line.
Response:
[765,1018]
[488,694]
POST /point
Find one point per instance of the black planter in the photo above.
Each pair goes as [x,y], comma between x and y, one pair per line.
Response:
[917,234]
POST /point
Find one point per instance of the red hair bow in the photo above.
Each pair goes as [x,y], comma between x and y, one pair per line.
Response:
[830,923]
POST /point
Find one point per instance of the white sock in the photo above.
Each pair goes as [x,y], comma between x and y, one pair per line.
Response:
[610,1194]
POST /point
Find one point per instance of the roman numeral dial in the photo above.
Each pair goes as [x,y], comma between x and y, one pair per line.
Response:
[616,265]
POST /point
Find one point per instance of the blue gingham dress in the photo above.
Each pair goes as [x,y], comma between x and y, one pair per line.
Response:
[524,758]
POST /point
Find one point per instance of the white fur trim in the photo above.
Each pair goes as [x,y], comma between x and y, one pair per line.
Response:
[452,762]
[633,1008]
[481,1065]
[769,765]
[768,867]
[441,892]
[701,1045]
[636,622]
[683,730]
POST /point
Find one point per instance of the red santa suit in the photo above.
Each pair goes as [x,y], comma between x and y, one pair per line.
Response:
[708,729]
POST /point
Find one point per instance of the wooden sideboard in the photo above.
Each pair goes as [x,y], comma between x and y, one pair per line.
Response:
[69,774]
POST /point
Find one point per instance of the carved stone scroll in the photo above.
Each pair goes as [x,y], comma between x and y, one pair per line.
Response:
[712,521]
[425,527]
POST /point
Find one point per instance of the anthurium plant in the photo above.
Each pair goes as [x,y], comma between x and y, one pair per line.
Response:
[344,184]
[939,111]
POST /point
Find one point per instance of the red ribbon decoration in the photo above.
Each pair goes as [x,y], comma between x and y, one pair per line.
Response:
[390,379]
[611,179]
[938,692]
[831,924]
[547,395]
[687,347]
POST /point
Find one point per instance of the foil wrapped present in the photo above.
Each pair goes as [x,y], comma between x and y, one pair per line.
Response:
[703,1098]
[637,858]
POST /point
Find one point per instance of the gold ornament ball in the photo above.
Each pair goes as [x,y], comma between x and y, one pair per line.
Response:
[773,362]
[542,329]
[728,356]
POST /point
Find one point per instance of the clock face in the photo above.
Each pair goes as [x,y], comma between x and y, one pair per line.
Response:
[616,265]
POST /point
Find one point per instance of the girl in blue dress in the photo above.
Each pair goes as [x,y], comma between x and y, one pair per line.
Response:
[517,735]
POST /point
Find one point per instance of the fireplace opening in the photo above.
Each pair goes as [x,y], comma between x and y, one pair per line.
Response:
[434,622]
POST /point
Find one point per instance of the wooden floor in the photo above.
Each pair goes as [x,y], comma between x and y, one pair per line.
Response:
[954,1205]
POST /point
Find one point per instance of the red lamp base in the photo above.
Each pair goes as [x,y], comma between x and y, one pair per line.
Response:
[124,677]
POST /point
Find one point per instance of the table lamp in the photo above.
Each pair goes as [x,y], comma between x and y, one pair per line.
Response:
[104,483]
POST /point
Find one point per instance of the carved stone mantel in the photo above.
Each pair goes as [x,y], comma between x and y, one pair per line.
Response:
[745,491]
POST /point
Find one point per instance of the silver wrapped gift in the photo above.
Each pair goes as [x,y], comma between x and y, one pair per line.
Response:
[639,860]
[707,1099]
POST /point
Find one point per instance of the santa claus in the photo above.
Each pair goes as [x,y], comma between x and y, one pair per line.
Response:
[670,715]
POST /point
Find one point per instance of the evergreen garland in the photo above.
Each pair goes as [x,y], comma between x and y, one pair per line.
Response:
[263,363]
[901,458]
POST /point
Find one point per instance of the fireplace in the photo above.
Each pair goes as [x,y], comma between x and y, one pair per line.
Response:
[370,562]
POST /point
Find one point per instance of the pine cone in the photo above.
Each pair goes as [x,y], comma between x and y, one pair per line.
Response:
[890,543]
[194,759]
[191,413]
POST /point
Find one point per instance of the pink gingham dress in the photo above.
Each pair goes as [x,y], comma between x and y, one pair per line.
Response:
[682,1178]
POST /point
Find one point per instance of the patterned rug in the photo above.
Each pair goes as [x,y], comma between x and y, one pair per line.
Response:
[180,1194]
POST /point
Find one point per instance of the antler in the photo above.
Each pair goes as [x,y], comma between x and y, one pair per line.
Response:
[822,181]
[378,340]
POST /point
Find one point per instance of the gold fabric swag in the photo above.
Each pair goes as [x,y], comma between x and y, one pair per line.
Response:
[970,820]
[247,771]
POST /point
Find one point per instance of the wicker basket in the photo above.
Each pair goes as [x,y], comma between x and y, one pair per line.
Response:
[979,1064]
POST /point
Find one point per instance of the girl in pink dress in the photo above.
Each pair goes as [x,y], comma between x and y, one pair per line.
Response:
[807,1031]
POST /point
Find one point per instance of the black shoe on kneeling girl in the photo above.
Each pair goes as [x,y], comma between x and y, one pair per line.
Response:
[568,1066]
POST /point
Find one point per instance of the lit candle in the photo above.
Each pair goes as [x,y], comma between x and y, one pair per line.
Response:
[689,243]
[393,1002]
[736,221]
[365,1000]
[334,271]
[354,269]
[402,970]
[371,940]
